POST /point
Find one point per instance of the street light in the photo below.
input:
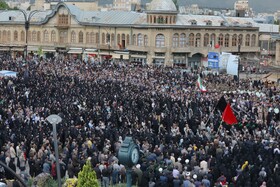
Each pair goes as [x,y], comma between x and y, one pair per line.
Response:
[27,18]
[54,120]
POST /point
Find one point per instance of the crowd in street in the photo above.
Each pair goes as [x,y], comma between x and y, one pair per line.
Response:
[181,137]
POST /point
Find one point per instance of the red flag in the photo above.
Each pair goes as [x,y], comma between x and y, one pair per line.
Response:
[228,116]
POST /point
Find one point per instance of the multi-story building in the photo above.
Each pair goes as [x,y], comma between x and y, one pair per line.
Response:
[160,35]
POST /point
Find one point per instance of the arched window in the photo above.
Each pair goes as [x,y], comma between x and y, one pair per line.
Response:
[87,37]
[127,39]
[9,36]
[197,40]
[234,40]
[103,38]
[160,40]
[193,22]
[119,39]
[91,38]
[113,39]
[108,38]
[145,40]
[134,39]
[46,36]
[247,40]
[140,39]
[34,34]
[175,40]
[160,19]
[38,36]
[122,44]
[206,40]
[227,40]
[97,38]
[209,23]
[16,36]
[183,40]
[213,39]
[22,36]
[240,39]
[29,36]
[221,40]
[4,36]
[53,37]
[191,40]
[81,37]
[73,37]
[62,36]
[253,40]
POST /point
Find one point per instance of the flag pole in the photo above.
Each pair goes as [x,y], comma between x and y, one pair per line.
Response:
[211,113]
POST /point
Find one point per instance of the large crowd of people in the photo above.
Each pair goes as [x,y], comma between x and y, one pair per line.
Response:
[180,134]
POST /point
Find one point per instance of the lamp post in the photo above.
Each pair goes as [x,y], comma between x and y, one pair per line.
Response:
[7,168]
[27,19]
[54,120]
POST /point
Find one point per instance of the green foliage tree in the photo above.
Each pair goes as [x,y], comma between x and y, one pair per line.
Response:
[40,51]
[4,5]
[87,177]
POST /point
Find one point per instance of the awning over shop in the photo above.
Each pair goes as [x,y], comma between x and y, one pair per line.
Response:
[32,48]
[4,49]
[122,52]
[90,51]
[17,49]
[116,56]
[126,57]
[75,51]
[48,50]
[138,56]
[159,57]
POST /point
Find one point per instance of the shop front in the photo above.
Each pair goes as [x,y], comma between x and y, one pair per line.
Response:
[179,59]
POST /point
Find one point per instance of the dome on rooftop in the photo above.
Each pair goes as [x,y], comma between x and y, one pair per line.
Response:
[162,5]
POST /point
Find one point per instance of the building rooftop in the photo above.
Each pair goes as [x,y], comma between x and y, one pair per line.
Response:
[125,18]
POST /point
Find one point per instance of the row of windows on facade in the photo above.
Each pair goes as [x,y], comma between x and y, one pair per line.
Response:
[172,20]
[195,40]
[181,40]
[161,19]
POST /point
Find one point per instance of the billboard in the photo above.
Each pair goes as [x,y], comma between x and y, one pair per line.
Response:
[232,65]
[213,60]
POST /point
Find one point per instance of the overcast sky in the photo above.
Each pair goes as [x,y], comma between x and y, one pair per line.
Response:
[257,5]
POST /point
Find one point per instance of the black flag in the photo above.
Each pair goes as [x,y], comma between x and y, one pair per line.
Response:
[222,104]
